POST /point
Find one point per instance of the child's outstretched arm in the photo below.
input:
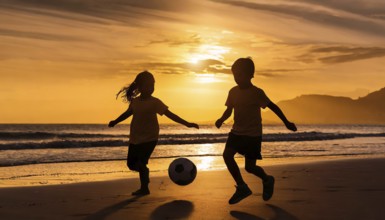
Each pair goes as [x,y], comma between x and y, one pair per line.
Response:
[224,117]
[121,118]
[289,125]
[180,120]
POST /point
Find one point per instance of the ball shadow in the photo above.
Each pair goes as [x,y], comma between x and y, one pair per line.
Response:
[176,209]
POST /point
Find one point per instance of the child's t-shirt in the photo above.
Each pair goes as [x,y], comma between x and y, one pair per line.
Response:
[247,104]
[144,125]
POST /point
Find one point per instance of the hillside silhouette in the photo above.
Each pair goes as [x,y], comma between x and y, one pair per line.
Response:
[326,109]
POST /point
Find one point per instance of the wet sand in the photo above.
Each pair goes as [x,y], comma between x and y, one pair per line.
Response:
[333,189]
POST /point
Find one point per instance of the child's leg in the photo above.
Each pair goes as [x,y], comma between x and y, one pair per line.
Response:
[144,175]
[144,179]
[232,166]
[268,181]
[242,190]
[252,167]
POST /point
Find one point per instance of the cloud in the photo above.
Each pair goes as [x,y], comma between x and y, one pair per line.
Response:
[368,8]
[202,67]
[194,39]
[38,11]
[318,14]
[38,36]
[209,66]
[123,11]
[341,54]
[46,19]
[269,73]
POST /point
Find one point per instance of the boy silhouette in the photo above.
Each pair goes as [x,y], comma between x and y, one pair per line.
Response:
[246,134]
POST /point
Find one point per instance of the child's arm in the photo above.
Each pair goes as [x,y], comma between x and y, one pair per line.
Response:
[289,125]
[121,118]
[224,117]
[180,120]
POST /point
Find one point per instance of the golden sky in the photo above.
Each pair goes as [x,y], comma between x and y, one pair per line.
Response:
[63,61]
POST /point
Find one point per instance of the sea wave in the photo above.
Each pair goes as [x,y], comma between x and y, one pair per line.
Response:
[46,140]
[49,135]
[74,160]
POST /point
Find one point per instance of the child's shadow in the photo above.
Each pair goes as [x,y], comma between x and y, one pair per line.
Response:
[177,209]
[279,214]
[244,215]
[102,214]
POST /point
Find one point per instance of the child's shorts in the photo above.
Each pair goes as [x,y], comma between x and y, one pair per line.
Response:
[248,146]
[139,152]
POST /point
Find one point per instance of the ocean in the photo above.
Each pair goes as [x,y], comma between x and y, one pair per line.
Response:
[47,145]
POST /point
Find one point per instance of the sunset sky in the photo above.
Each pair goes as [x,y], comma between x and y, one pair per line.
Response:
[63,61]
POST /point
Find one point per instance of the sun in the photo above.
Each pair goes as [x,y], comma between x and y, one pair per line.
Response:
[203,53]
[206,52]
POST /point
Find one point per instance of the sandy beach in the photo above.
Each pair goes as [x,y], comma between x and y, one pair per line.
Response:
[332,189]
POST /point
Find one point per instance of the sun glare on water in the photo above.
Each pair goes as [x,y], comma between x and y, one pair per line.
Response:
[206,163]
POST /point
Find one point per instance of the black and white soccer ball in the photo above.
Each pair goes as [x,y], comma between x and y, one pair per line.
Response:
[182,171]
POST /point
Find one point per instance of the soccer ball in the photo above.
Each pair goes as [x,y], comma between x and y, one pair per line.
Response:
[182,171]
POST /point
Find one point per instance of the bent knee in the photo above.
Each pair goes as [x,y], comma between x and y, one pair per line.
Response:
[227,155]
[249,168]
[229,152]
[133,166]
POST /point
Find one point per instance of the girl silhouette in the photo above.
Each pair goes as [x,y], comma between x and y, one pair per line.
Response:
[144,128]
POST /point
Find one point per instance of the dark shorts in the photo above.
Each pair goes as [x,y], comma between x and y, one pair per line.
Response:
[248,146]
[139,153]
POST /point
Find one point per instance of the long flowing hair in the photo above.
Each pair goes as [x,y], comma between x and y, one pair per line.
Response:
[131,91]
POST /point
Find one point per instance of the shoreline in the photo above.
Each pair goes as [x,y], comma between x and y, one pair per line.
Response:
[330,189]
[35,175]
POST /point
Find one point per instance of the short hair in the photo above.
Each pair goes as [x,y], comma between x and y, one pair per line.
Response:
[243,66]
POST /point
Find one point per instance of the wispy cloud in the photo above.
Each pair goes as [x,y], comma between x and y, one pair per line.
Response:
[368,8]
[194,39]
[39,36]
[209,66]
[314,12]
[203,66]
[341,54]
[116,10]
[273,73]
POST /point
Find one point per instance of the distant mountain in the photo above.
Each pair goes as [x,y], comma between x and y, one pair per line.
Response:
[325,109]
